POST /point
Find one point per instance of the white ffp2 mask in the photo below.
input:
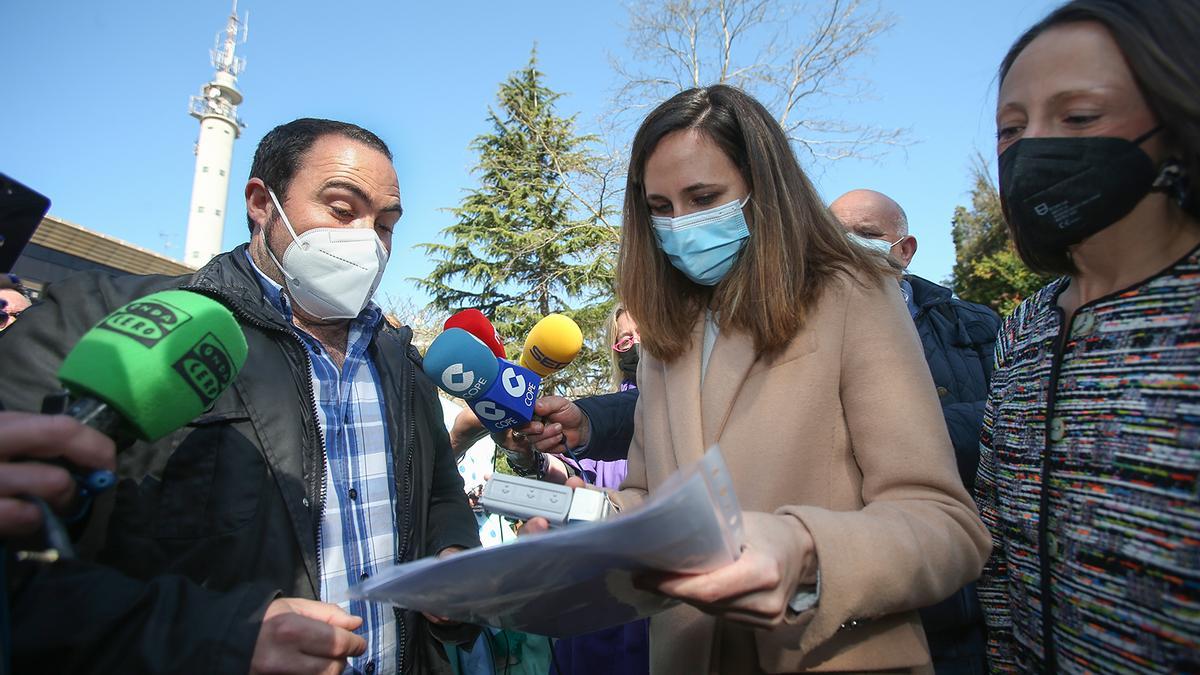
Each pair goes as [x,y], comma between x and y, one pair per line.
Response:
[330,272]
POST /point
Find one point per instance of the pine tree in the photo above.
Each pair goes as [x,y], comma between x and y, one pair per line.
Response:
[524,244]
[987,268]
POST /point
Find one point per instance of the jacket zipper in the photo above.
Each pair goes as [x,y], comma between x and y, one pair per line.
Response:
[1049,658]
[312,401]
[323,487]
[405,532]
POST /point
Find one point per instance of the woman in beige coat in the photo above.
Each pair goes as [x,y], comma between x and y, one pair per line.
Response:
[766,330]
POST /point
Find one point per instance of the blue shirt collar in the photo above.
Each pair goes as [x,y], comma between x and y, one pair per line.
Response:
[272,291]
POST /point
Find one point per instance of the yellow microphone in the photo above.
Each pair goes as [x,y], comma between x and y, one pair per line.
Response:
[552,344]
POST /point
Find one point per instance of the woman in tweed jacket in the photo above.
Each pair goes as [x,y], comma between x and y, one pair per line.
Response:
[1091,438]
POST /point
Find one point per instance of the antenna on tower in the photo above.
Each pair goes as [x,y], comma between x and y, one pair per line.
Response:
[223,57]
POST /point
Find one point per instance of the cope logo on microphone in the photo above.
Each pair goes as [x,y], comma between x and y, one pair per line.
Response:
[514,384]
[517,387]
[147,321]
[207,368]
[540,356]
[457,379]
[489,411]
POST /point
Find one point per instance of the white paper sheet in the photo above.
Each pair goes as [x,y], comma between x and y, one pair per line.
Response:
[579,578]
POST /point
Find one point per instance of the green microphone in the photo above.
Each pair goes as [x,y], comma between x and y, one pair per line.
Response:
[153,365]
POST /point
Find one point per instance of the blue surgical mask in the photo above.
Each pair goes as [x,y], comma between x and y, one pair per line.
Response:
[704,245]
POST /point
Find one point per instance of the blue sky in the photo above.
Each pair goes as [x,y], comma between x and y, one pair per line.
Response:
[96,111]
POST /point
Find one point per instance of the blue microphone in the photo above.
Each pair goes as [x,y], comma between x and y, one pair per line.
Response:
[460,364]
[508,403]
[500,393]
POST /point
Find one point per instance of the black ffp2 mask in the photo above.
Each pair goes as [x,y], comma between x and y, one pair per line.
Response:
[627,361]
[1056,192]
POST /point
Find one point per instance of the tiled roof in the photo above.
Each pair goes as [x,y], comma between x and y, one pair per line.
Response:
[60,235]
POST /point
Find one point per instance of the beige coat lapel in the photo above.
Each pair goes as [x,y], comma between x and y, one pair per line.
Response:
[732,358]
[682,390]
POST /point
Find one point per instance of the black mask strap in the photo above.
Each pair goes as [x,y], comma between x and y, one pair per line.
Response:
[1144,137]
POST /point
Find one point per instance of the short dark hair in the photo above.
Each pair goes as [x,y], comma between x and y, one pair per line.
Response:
[279,152]
[1158,40]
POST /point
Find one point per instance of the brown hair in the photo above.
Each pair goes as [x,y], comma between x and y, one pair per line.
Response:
[794,249]
[1157,39]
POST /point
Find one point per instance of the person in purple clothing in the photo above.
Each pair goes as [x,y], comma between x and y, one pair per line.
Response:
[535,461]
[626,343]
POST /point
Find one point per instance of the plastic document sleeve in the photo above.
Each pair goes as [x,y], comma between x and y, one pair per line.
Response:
[579,578]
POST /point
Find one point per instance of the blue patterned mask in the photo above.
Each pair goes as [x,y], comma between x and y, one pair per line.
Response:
[704,245]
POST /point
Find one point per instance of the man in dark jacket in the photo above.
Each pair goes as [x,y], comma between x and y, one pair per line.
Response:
[959,339]
[324,463]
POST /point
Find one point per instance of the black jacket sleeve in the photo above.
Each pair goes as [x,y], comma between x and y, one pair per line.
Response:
[611,419]
[963,421]
[77,617]
[964,418]
[36,345]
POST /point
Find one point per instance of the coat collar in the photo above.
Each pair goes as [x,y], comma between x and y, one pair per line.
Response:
[732,358]
[926,293]
[682,390]
[728,367]
[230,277]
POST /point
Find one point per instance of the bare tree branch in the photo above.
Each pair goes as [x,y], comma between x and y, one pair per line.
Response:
[794,58]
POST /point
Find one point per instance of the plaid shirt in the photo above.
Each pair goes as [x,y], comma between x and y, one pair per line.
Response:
[358,523]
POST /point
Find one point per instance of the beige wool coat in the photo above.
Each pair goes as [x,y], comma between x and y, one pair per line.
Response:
[843,432]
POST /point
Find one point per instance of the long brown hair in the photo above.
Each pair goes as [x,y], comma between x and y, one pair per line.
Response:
[1158,40]
[794,249]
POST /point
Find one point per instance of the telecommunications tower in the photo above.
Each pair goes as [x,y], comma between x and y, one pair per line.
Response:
[216,108]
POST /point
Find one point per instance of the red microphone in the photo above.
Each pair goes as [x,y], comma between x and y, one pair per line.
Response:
[474,322]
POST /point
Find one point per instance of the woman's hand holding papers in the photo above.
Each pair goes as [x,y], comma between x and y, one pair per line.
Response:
[778,557]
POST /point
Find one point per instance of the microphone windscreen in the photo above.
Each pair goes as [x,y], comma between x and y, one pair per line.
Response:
[509,401]
[159,361]
[552,344]
[460,364]
[474,322]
